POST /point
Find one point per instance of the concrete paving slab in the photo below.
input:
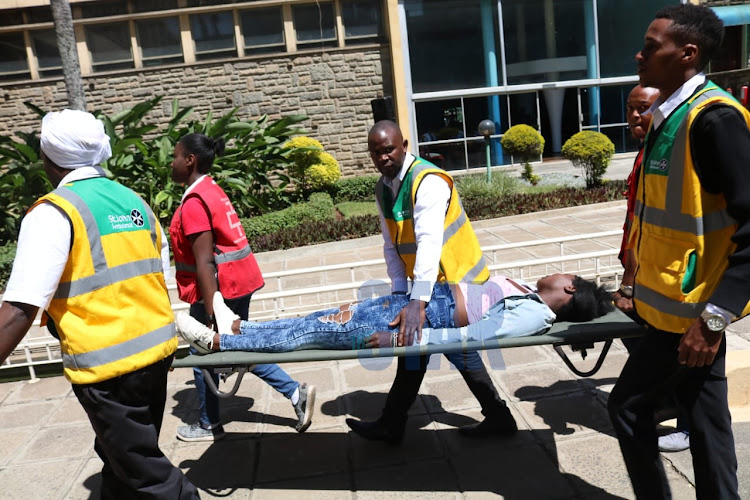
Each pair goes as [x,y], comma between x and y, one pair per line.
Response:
[26,414]
[69,411]
[13,440]
[87,483]
[597,461]
[513,473]
[221,468]
[7,388]
[569,416]
[45,389]
[48,480]
[537,381]
[64,442]
[436,481]
[328,487]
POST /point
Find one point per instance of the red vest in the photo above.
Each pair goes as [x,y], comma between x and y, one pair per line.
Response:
[237,269]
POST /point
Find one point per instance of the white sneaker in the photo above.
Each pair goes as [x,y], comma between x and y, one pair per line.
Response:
[674,442]
[199,335]
[223,316]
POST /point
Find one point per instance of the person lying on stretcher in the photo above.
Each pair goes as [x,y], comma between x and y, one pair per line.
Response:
[499,308]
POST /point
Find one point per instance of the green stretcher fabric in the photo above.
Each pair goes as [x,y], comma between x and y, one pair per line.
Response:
[610,326]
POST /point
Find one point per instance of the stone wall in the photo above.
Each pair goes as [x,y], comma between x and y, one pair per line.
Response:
[333,88]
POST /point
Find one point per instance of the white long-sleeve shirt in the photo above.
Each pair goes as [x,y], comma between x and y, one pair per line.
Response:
[43,248]
[430,206]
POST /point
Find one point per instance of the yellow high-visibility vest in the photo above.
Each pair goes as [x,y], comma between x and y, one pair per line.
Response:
[111,308]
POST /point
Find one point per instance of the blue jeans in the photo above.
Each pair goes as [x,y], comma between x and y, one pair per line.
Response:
[273,375]
[330,329]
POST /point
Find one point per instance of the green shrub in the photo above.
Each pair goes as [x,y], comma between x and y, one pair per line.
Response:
[476,186]
[313,168]
[523,141]
[592,151]
[318,208]
[477,208]
[318,232]
[7,254]
[526,143]
[356,188]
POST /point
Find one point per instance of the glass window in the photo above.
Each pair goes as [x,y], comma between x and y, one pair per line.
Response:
[546,41]
[213,34]
[362,22]
[11,17]
[109,45]
[621,31]
[154,5]
[493,108]
[160,41]
[204,3]
[446,47]
[263,30]
[47,53]
[729,55]
[104,8]
[315,24]
[13,62]
[39,14]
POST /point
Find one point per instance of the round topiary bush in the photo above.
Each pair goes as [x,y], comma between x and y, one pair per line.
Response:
[314,169]
[523,141]
[592,151]
[526,143]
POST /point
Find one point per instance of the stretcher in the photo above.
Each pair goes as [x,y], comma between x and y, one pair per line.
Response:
[580,337]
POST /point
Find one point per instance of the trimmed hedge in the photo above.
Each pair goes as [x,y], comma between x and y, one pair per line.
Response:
[356,188]
[318,232]
[318,208]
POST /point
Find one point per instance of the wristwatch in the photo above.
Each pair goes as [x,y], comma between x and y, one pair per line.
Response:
[715,322]
[626,291]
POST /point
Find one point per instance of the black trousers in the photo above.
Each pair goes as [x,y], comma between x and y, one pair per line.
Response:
[652,374]
[411,371]
[126,413]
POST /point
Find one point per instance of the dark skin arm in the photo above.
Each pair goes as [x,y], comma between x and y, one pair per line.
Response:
[203,249]
[410,321]
[378,339]
[15,320]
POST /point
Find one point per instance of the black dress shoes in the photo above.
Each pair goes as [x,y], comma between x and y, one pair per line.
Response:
[376,430]
[494,426]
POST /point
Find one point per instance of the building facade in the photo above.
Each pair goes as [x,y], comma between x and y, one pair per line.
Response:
[560,66]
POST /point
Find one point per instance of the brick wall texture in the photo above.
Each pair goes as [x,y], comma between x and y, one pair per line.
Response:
[333,88]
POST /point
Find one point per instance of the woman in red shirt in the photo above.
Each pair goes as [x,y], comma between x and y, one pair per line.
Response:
[212,253]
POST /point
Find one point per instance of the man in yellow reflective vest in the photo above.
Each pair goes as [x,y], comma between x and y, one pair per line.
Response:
[427,239]
[92,255]
[690,240]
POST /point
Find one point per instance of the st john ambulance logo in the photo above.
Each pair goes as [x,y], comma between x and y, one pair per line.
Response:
[136,217]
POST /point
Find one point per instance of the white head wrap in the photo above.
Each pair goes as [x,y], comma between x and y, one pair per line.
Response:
[72,139]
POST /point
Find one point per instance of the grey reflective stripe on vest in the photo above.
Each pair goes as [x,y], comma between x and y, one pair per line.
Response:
[103,274]
[104,278]
[688,310]
[475,271]
[454,226]
[699,226]
[92,230]
[120,351]
[180,266]
[240,254]
[671,217]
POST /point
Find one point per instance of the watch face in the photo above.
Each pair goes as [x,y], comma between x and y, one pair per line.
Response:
[715,323]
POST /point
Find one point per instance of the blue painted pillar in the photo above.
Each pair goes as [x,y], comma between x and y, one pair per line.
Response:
[490,70]
[589,20]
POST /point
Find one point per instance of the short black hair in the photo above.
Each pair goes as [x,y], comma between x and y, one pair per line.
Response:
[204,148]
[588,302]
[697,25]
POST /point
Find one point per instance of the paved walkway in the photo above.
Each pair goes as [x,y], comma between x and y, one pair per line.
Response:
[565,447]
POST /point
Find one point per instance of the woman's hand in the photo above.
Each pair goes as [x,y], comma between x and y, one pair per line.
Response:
[379,339]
